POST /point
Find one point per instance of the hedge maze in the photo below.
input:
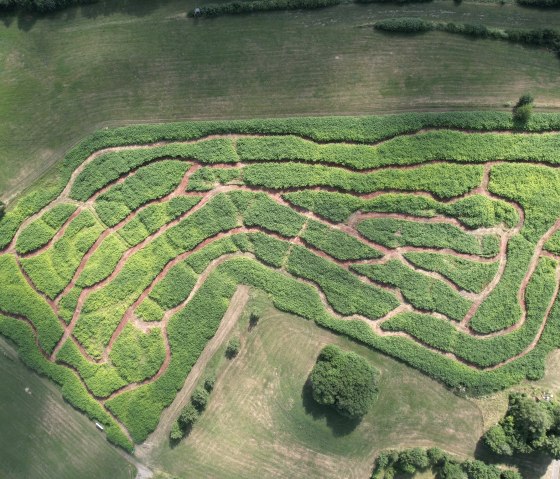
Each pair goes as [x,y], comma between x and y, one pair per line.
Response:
[432,238]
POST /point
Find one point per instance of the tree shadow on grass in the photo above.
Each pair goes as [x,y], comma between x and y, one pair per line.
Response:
[531,466]
[339,424]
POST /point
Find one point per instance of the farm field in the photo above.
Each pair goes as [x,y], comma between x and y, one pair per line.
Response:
[121,61]
[42,437]
[430,238]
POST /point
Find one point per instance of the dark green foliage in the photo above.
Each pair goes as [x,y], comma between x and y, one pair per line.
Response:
[137,355]
[345,381]
[420,290]
[539,3]
[249,6]
[103,261]
[441,464]
[344,292]
[271,216]
[233,346]
[148,183]
[199,398]
[44,6]
[528,426]
[394,233]
[469,275]
[175,287]
[404,25]
[336,243]
[444,180]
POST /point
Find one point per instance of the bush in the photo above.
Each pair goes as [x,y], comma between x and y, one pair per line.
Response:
[233,346]
[345,381]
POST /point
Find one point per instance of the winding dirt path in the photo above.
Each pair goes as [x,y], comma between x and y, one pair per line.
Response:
[239,299]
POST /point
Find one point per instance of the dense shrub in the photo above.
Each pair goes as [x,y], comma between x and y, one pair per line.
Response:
[41,5]
[232,348]
[249,6]
[468,275]
[420,290]
[394,233]
[404,25]
[41,231]
[539,3]
[345,381]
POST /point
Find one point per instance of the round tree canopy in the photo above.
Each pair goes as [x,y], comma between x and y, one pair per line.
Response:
[345,381]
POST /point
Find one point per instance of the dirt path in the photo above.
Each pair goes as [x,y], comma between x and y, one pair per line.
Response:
[169,416]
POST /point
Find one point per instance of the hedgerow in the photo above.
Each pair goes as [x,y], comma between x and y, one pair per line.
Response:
[207,178]
[534,187]
[345,293]
[17,297]
[336,207]
[394,233]
[101,379]
[53,269]
[103,261]
[484,352]
[249,6]
[103,308]
[444,180]
[189,330]
[336,243]
[42,230]
[501,308]
[137,355]
[271,216]
[469,275]
[72,389]
[148,183]
[200,260]
[111,166]
[175,287]
[420,290]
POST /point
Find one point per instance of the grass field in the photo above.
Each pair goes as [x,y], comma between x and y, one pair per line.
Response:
[261,421]
[122,61]
[42,436]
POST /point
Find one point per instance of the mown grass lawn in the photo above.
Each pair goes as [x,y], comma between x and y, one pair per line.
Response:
[261,421]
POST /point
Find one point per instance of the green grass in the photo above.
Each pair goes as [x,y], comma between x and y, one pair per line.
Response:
[258,424]
[120,62]
[43,436]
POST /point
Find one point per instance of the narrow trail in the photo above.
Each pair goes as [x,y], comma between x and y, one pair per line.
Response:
[239,299]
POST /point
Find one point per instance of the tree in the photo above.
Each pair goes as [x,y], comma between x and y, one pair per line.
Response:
[199,398]
[411,460]
[233,347]
[523,110]
[497,440]
[176,431]
[511,474]
[451,470]
[209,382]
[188,416]
[2,208]
[479,470]
[344,380]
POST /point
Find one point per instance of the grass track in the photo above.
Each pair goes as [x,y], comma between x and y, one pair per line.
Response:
[65,75]
[43,437]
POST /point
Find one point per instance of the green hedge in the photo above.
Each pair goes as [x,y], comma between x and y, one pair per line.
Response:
[469,275]
[52,270]
[41,231]
[420,290]
[249,6]
[394,233]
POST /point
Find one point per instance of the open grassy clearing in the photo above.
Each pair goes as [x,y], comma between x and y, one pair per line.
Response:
[120,62]
[261,423]
[117,309]
[43,437]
